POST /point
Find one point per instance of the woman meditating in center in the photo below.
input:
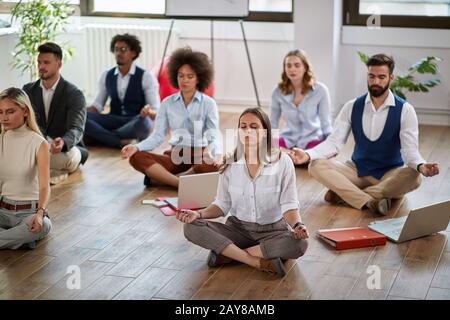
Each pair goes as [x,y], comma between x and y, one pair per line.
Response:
[193,120]
[257,188]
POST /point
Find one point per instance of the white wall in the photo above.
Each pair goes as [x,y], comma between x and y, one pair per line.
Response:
[317,28]
[268,43]
[333,51]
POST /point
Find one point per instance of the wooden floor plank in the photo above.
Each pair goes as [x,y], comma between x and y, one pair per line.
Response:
[122,246]
[90,271]
[126,250]
[146,285]
[104,288]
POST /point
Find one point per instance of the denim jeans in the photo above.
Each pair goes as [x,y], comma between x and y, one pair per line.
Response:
[14,226]
[109,129]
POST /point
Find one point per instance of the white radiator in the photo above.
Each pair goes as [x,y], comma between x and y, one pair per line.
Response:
[99,58]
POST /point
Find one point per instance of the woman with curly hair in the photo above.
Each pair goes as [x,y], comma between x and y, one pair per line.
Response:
[303,102]
[193,120]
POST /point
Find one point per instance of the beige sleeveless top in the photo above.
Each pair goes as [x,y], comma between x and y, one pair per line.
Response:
[18,163]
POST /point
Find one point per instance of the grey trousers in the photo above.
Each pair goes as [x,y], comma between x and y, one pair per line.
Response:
[14,227]
[276,239]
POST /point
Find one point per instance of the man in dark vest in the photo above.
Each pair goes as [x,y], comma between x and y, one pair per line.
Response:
[386,163]
[134,98]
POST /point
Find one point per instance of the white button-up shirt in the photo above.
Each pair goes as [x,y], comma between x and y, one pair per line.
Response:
[150,87]
[261,200]
[373,123]
[47,96]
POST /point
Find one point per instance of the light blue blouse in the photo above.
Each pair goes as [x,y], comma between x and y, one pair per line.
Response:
[196,125]
[303,123]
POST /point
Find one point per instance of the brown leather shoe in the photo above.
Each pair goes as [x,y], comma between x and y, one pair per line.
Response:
[333,197]
[272,266]
[216,260]
[379,206]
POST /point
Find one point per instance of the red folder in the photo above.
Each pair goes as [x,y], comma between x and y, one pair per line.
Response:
[350,238]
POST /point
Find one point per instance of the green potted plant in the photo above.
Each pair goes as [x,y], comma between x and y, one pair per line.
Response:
[409,82]
[40,21]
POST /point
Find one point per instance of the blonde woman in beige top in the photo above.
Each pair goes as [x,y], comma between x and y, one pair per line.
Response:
[24,174]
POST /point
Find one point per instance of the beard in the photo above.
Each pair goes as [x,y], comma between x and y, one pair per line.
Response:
[46,76]
[377,91]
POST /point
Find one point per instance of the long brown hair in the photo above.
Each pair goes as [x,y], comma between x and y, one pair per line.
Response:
[265,153]
[20,98]
[285,85]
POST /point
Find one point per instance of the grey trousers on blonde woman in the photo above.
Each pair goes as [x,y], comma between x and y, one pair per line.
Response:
[276,239]
[342,178]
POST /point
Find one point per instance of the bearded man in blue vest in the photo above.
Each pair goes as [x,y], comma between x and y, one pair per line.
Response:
[134,98]
[386,163]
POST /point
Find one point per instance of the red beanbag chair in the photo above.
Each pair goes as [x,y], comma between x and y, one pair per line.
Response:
[165,88]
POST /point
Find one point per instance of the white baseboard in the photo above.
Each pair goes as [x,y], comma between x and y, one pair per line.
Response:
[438,117]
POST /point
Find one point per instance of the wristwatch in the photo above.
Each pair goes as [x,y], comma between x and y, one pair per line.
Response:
[44,211]
[298,224]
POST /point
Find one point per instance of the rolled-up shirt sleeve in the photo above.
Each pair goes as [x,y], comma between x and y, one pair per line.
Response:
[288,196]
[159,133]
[102,94]
[212,131]
[223,198]
[338,137]
[409,137]
[151,90]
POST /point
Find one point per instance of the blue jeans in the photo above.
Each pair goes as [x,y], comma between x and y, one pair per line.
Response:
[14,226]
[109,129]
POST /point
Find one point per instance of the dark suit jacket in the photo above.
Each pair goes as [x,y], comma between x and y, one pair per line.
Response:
[67,113]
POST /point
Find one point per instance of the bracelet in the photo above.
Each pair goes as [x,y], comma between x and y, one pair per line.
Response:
[44,211]
[298,224]
[200,213]
[418,166]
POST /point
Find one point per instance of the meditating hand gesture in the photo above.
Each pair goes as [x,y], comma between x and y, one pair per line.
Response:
[298,156]
[188,216]
[128,151]
[429,169]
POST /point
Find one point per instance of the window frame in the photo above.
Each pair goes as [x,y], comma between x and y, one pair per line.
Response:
[352,17]
[86,9]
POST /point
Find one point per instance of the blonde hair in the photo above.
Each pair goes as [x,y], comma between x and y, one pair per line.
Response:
[20,98]
[285,85]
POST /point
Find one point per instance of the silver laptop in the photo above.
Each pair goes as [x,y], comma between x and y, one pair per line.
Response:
[420,222]
[195,191]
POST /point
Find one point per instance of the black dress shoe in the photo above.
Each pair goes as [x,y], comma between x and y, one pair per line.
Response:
[84,154]
[147,181]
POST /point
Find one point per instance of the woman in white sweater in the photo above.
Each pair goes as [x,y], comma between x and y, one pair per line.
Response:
[24,174]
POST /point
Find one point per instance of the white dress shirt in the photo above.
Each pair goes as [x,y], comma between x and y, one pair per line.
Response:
[149,85]
[263,199]
[373,123]
[47,96]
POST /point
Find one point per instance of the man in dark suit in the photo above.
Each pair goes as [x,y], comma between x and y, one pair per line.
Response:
[60,109]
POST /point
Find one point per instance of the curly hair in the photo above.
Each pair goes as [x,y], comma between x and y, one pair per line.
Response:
[308,78]
[198,61]
[132,42]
